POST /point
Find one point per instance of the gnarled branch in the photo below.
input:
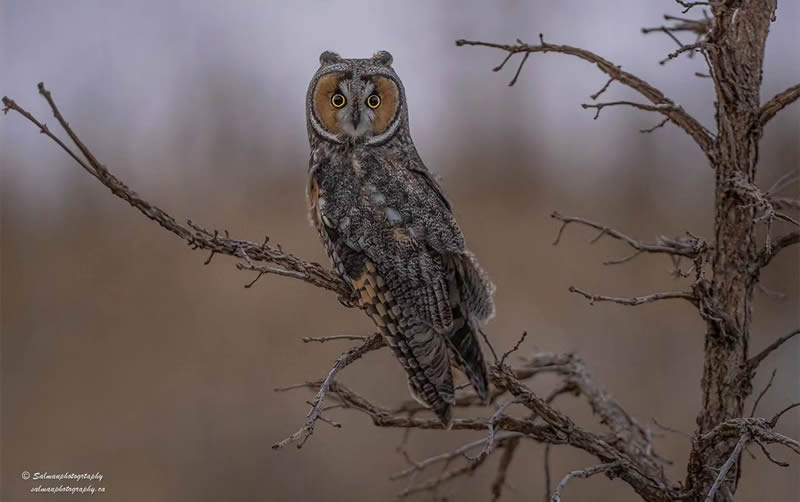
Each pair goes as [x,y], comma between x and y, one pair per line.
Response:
[194,235]
[689,247]
[775,247]
[634,301]
[662,104]
[777,103]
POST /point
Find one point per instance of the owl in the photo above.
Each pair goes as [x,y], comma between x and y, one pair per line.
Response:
[389,230]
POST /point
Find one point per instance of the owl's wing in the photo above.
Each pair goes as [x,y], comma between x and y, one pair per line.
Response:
[469,286]
[428,177]
[400,286]
[474,285]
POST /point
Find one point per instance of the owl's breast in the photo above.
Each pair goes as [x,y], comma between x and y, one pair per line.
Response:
[373,202]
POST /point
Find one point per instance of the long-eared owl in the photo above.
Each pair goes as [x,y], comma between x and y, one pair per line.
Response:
[389,230]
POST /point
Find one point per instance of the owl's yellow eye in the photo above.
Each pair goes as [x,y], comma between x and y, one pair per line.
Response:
[374,101]
[338,100]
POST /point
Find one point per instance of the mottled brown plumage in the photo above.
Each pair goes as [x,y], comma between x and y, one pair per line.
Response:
[389,230]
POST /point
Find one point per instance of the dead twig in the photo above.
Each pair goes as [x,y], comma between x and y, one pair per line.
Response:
[323,339]
[640,106]
[194,235]
[460,452]
[662,104]
[774,420]
[775,247]
[635,300]
[583,473]
[762,393]
[777,103]
[687,6]
[754,361]
[514,348]
[490,440]
[657,126]
[732,459]
[509,448]
[315,413]
[689,247]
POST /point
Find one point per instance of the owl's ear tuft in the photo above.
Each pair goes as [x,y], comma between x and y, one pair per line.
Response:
[329,57]
[383,57]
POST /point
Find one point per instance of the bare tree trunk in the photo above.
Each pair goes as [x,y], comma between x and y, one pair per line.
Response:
[735,50]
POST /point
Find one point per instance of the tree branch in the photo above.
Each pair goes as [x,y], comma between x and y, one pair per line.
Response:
[509,448]
[754,361]
[687,6]
[775,247]
[633,104]
[643,472]
[315,413]
[689,247]
[194,235]
[583,473]
[323,339]
[723,472]
[460,452]
[636,300]
[663,105]
[777,103]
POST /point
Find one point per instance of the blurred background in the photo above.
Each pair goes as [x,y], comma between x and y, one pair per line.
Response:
[122,354]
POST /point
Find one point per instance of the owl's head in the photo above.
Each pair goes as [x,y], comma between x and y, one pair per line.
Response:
[355,100]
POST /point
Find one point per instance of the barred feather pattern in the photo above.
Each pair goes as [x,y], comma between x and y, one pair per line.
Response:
[389,230]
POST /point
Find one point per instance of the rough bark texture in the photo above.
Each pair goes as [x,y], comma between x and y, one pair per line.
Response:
[735,50]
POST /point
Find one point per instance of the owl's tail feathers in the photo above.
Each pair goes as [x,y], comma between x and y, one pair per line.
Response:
[467,354]
[439,406]
[425,357]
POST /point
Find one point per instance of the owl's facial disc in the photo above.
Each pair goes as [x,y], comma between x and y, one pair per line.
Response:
[355,107]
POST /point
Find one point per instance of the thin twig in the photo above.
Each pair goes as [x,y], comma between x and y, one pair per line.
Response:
[762,393]
[701,136]
[548,482]
[635,300]
[514,348]
[776,246]
[689,247]
[490,440]
[301,435]
[509,448]
[732,459]
[777,103]
[689,5]
[769,456]
[699,46]
[583,473]
[667,31]
[323,339]
[194,235]
[651,129]
[774,420]
[641,106]
[671,429]
[602,89]
[785,180]
[754,361]
[461,451]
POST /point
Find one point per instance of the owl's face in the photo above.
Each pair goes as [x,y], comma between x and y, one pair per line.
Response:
[355,100]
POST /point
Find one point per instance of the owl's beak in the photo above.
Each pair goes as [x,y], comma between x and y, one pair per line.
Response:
[356,117]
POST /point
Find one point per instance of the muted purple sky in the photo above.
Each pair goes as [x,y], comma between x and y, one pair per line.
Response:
[132,67]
